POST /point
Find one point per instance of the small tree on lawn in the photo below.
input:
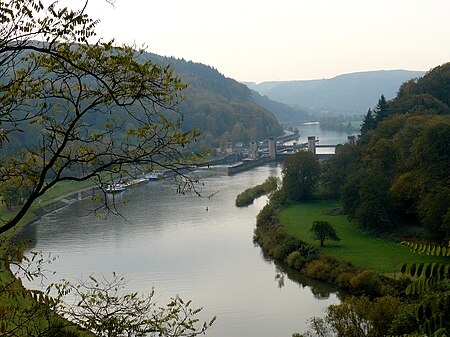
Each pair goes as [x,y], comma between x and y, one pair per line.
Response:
[323,230]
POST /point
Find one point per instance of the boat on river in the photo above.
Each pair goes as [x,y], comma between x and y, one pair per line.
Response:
[153,176]
[114,188]
[136,182]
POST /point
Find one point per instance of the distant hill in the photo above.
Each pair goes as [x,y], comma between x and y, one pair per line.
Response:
[355,92]
[285,113]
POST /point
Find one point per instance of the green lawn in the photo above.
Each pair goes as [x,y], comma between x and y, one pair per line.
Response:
[356,246]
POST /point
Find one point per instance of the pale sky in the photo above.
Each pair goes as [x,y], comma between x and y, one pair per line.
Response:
[262,40]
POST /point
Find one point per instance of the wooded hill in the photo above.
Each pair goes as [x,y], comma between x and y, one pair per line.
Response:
[221,108]
[353,92]
[398,173]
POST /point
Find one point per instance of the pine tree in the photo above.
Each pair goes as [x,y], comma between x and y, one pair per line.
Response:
[369,122]
[381,110]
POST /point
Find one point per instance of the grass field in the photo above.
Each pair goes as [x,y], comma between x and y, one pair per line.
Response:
[357,246]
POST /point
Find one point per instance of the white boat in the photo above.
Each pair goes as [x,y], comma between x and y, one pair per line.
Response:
[114,188]
[154,176]
[136,182]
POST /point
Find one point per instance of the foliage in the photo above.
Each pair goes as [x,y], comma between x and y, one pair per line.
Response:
[218,105]
[76,109]
[301,172]
[432,281]
[87,109]
[249,195]
[27,312]
[428,94]
[337,123]
[400,175]
[323,230]
[398,172]
[100,307]
[356,317]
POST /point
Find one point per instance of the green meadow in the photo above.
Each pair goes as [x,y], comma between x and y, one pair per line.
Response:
[356,246]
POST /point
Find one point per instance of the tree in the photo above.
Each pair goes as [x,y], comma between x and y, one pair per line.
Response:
[86,111]
[100,306]
[356,317]
[382,109]
[323,230]
[92,108]
[369,123]
[301,172]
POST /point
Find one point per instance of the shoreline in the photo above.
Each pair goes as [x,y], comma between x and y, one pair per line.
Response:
[53,205]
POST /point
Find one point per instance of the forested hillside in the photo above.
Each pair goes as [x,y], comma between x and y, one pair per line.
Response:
[285,113]
[353,92]
[398,173]
[221,108]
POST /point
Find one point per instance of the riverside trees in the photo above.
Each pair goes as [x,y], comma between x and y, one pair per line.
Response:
[301,172]
[398,172]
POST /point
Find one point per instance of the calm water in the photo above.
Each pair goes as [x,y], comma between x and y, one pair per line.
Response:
[171,242]
[324,137]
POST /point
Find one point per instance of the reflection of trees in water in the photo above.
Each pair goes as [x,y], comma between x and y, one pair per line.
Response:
[320,289]
[26,238]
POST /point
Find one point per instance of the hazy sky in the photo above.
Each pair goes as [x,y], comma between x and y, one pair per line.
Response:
[261,40]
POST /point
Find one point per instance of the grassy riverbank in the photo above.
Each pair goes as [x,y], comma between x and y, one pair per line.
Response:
[360,248]
[57,192]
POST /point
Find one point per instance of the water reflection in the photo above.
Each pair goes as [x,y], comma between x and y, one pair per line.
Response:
[321,290]
[170,242]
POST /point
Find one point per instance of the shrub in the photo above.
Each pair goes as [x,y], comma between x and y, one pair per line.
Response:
[343,280]
[366,282]
[295,260]
[280,251]
[318,269]
[249,195]
[267,216]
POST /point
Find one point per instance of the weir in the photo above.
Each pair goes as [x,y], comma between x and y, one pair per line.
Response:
[282,152]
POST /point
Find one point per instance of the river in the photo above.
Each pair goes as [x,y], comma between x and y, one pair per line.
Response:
[198,247]
[323,137]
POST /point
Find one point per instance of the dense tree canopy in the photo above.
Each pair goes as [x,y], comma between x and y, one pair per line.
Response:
[301,172]
[218,105]
[398,172]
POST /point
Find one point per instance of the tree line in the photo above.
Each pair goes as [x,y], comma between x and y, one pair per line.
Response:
[398,172]
[396,176]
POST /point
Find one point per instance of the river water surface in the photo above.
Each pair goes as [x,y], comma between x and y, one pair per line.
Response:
[198,248]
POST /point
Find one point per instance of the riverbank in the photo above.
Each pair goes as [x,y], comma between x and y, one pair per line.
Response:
[359,264]
[60,196]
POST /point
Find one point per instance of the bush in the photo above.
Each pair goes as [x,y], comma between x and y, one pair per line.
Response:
[249,195]
[343,280]
[295,260]
[280,252]
[318,269]
[366,282]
